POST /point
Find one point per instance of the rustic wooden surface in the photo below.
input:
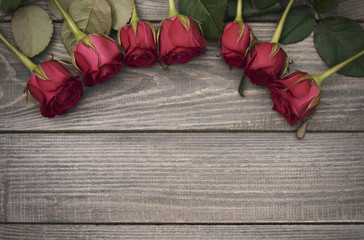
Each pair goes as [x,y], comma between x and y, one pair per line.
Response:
[178,232]
[177,154]
[182,177]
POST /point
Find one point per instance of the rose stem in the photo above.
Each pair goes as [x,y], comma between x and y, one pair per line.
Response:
[279,29]
[319,79]
[239,11]
[172,9]
[75,30]
[301,131]
[134,16]
[24,59]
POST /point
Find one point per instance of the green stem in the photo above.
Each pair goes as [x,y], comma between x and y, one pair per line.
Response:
[239,11]
[24,59]
[75,30]
[319,79]
[301,131]
[172,9]
[134,16]
[279,29]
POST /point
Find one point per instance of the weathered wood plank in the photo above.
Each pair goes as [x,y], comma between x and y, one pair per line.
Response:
[156,10]
[174,178]
[218,232]
[200,95]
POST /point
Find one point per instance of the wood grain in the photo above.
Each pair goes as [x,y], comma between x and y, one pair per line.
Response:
[175,232]
[149,185]
[200,95]
[177,178]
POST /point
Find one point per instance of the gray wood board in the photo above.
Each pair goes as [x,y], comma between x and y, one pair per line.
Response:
[181,177]
[175,232]
[200,95]
[156,10]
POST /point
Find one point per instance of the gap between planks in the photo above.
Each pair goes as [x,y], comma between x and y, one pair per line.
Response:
[211,232]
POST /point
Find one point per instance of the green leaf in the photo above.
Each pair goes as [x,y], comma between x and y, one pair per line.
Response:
[91,16]
[209,12]
[10,5]
[121,11]
[337,39]
[250,9]
[263,4]
[54,9]
[299,24]
[323,6]
[32,29]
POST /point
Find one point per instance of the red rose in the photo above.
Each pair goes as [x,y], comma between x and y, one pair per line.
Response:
[57,90]
[235,42]
[295,97]
[98,58]
[179,40]
[140,47]
[267,63]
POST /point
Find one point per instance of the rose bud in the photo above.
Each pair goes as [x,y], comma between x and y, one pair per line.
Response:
[98,58]
[50,83]
[295,97]
[235,43]
[179,38]
[55,88]
[138,39]
[236,40]
[267,63]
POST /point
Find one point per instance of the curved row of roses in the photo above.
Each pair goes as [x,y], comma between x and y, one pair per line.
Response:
[295,95]
[98,57]
[178,40]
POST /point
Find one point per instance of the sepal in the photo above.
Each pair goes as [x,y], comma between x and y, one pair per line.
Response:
[286,66]
[134,25]
[153,31]
[28,96]
[38,71]
[253,41]
[68,64]
[241,28]
[185,21]
[160,28]
[87,41]
[275,50]
[198,23]
[74,61]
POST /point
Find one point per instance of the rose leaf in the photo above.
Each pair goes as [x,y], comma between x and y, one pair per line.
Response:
[337,39]
[32,29]
[209,12]
[91,16]
[299,24]
[8,5]
[121,11]
[263,4]
[54,9]
[323,6]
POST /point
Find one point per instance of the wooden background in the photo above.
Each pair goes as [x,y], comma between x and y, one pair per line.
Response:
[178,154]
